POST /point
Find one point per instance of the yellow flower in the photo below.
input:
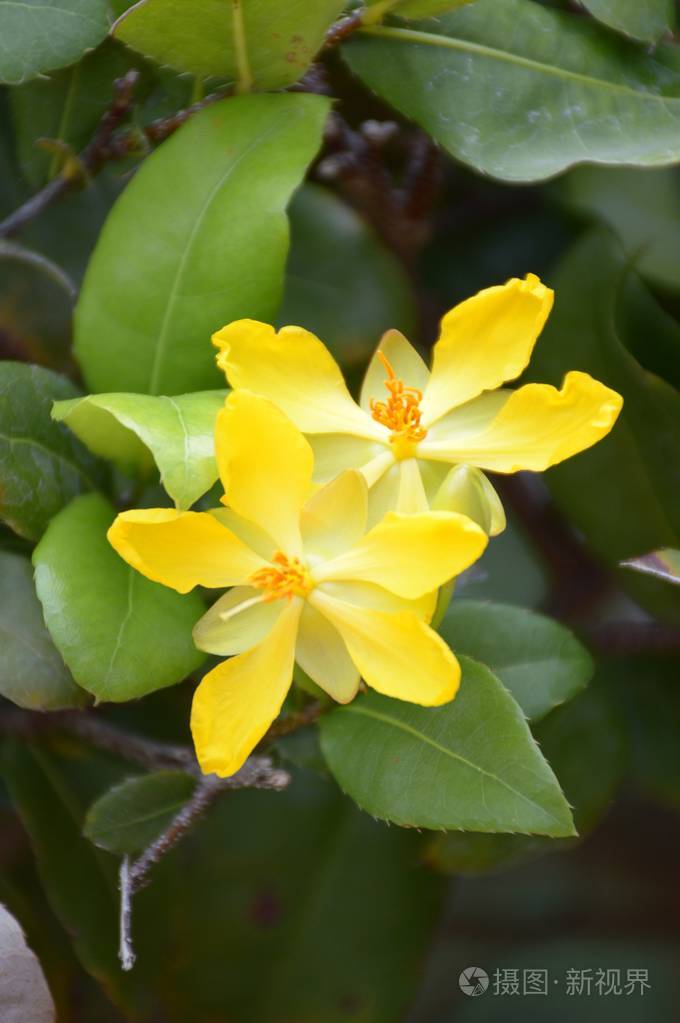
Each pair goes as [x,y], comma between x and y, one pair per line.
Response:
[310,584]
[411,426]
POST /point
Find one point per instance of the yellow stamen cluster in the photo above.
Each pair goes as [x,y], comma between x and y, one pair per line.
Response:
[401,412]
[284,578]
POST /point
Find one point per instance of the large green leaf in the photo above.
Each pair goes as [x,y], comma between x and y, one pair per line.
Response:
[134,430]
[536,658]
[131,815]
[263,44]
[410,8]
[470,765]
[643,207]
[521,92]
[41,35]
[32,674]
[340,281]
[584,743]
[41,465]
[647,20]
[121,635]
[636,468]
[204,232]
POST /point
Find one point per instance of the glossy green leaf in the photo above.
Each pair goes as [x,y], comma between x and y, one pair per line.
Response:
[134,430]
[65,108]
[520,92]
[32,673]
[341,282]
[647,20]
[260,43]
[537,659]
[642,206]
[41,35]
[204,232]
[410,8]
[585,744]
[636,467]
[470,765]
[131,815]
[121,635]
[663,564]
[42,466]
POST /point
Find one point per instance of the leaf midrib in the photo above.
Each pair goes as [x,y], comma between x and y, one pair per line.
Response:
[490,52]
[396,723]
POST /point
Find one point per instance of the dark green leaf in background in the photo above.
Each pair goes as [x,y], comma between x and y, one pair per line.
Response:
[469,765]
[341,282]
[537,659]
[521,92]
[263,44]
[32,673]
[42,466]
[623,494]
[412,8]
[198,238]
[134,430]
[131,815]
[42,35]
[121,635]
[647,20]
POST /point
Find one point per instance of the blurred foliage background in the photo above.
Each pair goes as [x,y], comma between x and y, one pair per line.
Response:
[296,907]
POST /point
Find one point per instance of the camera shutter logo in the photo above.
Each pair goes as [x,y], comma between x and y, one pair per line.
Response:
[473,981]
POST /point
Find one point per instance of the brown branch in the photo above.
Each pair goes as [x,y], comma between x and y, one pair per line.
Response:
[343,28]
[107,145]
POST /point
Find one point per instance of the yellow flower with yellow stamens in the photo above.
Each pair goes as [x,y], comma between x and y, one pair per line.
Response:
[310,584]
[425,442]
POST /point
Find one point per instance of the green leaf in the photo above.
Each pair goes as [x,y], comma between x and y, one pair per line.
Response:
[131,815]
[335,255]
[133,430]
[409,8]
[469,765]
[121,635]
[520,92]
[41,35]
[664,564]
[646,20]
[636,466]
[66,107]
[584,743]
[32,674]
[260,43]
[41,465]
[642,206]
[204,232]
[537,659]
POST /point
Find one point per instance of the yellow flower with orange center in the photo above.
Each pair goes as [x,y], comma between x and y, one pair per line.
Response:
[421,439]
[308,583]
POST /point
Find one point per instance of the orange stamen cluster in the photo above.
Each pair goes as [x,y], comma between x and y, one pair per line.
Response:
[284,578]
[401,412]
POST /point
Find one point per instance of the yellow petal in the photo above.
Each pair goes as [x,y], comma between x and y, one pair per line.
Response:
[373,596]
[335,452]
[265,466]
[237,701]
[467,491]
[396,653]
[322,654]
[236,622]
[411,497]
[404,360]
[251,535]
[182,549]
[484,341]
[295,370]
[410,554]
[334,518]
[538,426]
